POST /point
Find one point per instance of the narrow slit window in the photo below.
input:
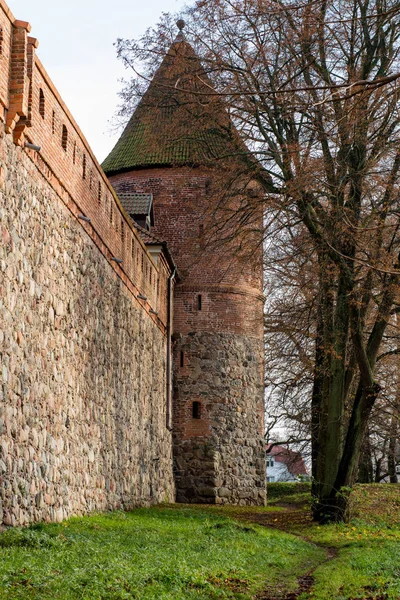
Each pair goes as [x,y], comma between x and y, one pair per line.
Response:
[196,410]
[53,122]
[41,103]
[199,302]
[64,138]
[201,236]
[122,231]
[111,214]
[1,40]
[182,359]
[133,250]
[74,153]
[99,193]
[84,167]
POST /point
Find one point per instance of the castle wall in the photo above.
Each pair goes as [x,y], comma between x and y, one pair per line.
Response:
[83,359]
[218,342]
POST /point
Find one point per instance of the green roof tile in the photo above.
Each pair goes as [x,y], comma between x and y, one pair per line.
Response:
[176,122]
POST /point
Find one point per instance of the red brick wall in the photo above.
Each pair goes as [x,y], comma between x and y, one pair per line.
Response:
[6,32]
[72,170]
[228,280]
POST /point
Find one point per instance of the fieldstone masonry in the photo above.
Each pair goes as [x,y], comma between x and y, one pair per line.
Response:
[82,397]
[219,457]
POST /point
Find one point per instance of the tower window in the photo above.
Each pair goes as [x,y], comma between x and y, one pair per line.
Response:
[196,410]
[74,153]
[99,193]
[41,103]
[53,122]
[64,138]
[182,359]
[201,236]
[199,302]
[84,167]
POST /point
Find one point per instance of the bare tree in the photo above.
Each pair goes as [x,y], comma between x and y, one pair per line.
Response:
[313,90]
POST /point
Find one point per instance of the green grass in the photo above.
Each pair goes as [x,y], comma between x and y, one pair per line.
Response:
[159,553]
[367,564]
[198,552]
[289,493]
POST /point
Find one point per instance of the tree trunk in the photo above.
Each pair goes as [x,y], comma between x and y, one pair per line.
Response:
[331,505]
[392,451]
[366,469]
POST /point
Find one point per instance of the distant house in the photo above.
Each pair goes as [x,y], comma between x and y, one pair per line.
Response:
[284,464]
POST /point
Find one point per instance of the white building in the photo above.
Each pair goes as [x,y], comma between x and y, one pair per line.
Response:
[284,464]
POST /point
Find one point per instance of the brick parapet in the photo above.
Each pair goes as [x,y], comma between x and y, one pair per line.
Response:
[7,12]
[36,113]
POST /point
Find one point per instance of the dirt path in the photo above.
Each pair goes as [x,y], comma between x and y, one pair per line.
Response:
[292,518]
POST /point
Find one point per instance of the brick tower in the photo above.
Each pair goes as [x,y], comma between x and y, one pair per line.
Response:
[172,148]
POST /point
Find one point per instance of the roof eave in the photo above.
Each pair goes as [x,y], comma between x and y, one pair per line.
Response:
[161,165]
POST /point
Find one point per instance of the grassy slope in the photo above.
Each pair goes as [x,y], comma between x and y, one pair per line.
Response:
[149,554]
[367,564]
[183,553]
[364,553]
[368,559]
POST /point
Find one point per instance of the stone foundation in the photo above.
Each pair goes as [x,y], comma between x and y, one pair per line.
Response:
[219,457]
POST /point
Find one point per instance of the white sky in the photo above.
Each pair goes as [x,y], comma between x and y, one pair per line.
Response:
[76,48]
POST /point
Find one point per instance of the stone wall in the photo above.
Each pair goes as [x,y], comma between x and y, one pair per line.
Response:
[83,363]
[219,456]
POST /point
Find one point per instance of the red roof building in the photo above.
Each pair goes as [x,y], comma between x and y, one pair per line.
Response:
[284,464]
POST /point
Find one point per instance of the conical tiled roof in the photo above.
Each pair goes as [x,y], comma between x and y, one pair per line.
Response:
[177,122]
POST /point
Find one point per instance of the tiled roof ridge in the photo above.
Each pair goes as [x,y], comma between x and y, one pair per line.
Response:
[140,194]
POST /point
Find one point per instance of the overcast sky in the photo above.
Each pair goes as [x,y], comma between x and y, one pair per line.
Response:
[76,48]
